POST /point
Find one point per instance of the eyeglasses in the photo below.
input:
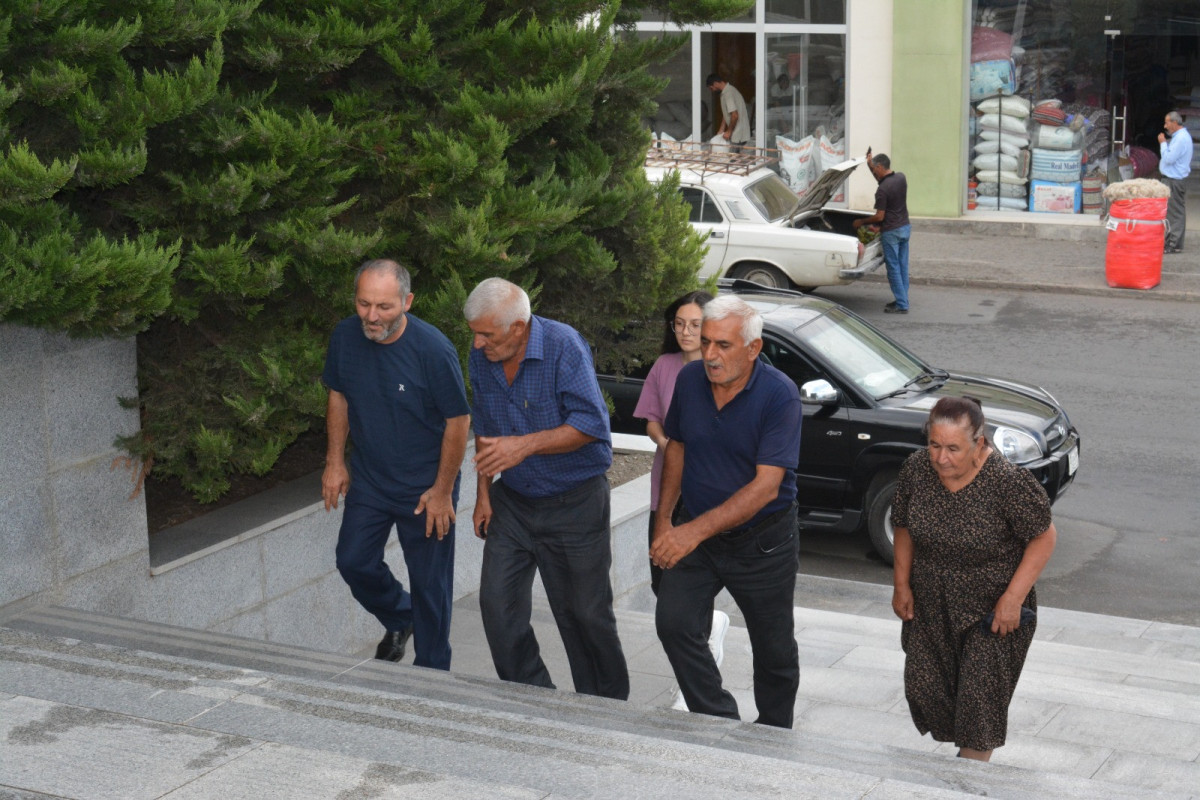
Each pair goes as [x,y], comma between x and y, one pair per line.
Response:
[681,325]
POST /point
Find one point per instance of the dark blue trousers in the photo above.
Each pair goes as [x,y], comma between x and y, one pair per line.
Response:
[760,573]
[566,538]
[361,541]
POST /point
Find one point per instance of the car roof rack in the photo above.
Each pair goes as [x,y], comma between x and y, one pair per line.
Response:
[669,154]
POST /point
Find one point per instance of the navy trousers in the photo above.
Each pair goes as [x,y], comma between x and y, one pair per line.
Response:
[760,573]
[361,541]
[566,538]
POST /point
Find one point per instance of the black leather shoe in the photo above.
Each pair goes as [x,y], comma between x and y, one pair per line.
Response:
[393,645]
[892,308]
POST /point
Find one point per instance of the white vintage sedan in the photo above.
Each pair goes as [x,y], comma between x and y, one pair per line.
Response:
[758,229]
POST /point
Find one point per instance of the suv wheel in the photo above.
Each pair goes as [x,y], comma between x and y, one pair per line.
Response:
[879,513]
[764,274]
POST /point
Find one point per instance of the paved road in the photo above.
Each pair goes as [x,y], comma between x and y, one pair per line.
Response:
[1126,371]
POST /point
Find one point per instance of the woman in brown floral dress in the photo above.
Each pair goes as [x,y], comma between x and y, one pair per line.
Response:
[972,534]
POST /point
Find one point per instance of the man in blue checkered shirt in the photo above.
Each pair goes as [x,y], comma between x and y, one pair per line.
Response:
[541,425]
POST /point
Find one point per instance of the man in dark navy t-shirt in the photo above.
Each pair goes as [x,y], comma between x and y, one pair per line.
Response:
[891,214]
[734,441]
[396,391]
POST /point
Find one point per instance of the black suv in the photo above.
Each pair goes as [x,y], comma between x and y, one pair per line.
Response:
[866,400]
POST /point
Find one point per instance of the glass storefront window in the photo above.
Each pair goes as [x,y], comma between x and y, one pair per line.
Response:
[819,12]
[788,61]
[673,117]
[1068,97]
[806,104]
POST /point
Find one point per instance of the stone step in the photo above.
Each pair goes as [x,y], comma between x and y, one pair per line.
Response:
[198,714]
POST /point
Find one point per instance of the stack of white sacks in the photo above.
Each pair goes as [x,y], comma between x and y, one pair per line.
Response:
[1002,157]
[802,162]
[1057,163]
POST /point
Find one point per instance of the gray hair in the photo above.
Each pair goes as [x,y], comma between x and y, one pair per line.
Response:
[390,267]
[502,300]
[730,305]
[1175,117]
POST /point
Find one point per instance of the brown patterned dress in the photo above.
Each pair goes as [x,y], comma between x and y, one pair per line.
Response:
[966,547]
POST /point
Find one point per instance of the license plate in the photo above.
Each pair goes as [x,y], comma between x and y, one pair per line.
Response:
[1072,460]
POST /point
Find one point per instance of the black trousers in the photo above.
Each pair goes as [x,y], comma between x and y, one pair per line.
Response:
[566,538]
[1176,212]
[759,570]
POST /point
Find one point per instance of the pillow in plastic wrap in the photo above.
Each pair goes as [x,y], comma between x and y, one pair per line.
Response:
[1002,122]
[990,44]
[996,161]
[1056,165]
[1019,139]
[1054,137]
[997,146]
[1013,106]
[993,176]
[1002,190]
[992,77]
[992,203]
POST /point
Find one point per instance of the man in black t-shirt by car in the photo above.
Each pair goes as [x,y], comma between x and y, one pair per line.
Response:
[891,210]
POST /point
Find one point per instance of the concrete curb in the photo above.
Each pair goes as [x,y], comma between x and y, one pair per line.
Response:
[1157,293]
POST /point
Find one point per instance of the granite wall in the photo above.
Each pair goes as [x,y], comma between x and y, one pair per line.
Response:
[71,535]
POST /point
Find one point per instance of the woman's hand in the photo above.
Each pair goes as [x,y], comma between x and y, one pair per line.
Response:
[902,602]
[1007,615]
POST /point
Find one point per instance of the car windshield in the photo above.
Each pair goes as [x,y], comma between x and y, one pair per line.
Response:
[772,197]
[862,354]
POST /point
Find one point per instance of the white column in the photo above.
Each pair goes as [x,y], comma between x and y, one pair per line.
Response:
[868,90]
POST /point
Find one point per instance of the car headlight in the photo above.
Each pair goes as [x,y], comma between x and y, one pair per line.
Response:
[1017,446]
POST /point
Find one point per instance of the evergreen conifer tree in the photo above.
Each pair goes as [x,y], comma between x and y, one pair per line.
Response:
[223,174]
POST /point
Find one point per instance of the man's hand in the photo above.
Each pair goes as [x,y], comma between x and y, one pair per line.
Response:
[671,544]
[1162,138]
[335,482]
[482,516]
[495,454]
[727,134]
[439,512]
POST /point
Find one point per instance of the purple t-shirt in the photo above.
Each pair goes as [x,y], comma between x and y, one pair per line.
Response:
[652,406]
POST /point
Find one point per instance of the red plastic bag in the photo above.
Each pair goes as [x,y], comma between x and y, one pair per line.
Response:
[1139,208]
[1134,251]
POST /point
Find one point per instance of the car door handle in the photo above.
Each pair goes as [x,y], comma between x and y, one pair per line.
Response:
[717,235]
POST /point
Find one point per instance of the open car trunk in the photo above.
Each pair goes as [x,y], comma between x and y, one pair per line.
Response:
[833,220]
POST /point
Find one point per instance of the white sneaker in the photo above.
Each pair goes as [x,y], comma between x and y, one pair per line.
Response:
[716,639]
[716,646]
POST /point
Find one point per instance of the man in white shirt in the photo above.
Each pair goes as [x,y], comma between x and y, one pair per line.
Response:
[735,121]
[1175,164]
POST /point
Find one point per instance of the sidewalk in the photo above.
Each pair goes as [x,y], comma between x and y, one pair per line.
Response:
[1066,256]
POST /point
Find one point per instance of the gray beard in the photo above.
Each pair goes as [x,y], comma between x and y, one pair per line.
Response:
[386,333]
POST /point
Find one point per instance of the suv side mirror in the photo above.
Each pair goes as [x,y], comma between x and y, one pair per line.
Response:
[819,392]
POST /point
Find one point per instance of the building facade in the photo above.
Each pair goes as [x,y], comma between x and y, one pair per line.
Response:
[1039,103]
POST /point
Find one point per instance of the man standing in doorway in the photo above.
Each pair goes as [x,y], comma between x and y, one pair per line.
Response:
[735,122]
[541,421]
[396,390]
[734,440]
[891,212]
[1175,165]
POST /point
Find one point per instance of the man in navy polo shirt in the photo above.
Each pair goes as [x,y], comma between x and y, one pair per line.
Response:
[734,430]
[541,425]
[396,389]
